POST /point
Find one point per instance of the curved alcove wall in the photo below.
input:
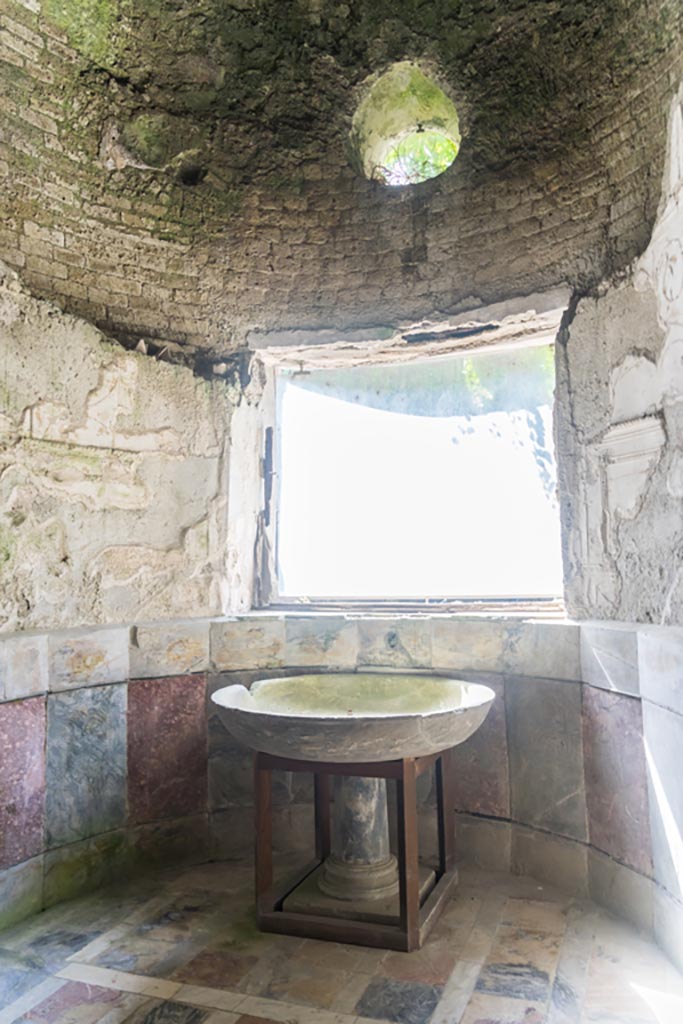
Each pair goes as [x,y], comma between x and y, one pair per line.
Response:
[573,778]
[194,184]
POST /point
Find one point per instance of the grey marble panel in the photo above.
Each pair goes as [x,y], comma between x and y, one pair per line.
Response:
[86,763]
[546,755]
[609,656]
[183,841]
[549,650]
[561,862]
[81,867]
[669,926]
[23,666]
[483,842]
[660,665]
[663,746]
[459,643]
[21,891]
[230,769]
[395,643]
[626,893]
[325,640]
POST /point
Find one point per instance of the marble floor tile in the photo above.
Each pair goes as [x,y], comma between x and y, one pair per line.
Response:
[535,915]
[185,950]
[402,1002]
[170,1012]
[340,957]
[79,1003]
[612,993]
[215,968]
[433,964]
[308,985]
[51,948]
[522,946]
[20,971]
[489,1009]
[151,957]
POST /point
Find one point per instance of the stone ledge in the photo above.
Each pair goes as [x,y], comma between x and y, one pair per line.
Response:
[636,660]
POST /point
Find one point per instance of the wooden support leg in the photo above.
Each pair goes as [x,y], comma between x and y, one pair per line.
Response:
[322,816]
[445,809]
[409,877]
[264,835]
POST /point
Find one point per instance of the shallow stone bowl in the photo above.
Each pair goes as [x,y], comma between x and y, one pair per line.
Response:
[354,716]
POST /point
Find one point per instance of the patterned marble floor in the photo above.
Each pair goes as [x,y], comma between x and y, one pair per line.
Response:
[182,949]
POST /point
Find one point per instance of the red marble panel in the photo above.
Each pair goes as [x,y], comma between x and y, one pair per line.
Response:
[167,747]
[616,777]
[480,764]
[22,779]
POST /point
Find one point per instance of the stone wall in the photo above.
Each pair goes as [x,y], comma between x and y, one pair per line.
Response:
[113,492]
[572,779]
[620,428]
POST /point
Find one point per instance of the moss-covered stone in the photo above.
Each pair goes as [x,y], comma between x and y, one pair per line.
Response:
[91,26]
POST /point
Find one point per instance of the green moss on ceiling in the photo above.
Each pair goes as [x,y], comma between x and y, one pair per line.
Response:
[529,72]
[90,25]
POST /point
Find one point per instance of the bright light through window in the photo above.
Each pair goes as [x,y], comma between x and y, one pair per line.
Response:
[431,479]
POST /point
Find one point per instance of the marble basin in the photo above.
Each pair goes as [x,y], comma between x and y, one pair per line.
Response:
[349,717]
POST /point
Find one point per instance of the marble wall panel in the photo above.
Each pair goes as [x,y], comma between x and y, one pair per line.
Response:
[21,891]
[623,891]
[481,778]
[183,841]
[483,842]
[663,747]
[609,656]
[23,667]
[22,779]
[167,747]
[169,648]
[81,867]
[552,859]
[86,763]
[256,642]
[546,755]
[548,650]
[668,915]
[395,643]
[476,644]
[616,777]
[660,665]
[88,657]
[328,641]
[231,771]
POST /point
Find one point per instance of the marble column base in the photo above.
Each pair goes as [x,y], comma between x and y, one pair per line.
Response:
[348,881]
[308,898]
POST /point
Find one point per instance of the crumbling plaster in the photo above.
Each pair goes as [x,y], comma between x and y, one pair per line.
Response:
[620,427]
[113,497]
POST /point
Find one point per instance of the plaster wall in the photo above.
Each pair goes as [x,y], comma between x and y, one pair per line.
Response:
[112,476]
[620,427]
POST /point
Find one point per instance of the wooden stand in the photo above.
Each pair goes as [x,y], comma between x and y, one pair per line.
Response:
[415,921]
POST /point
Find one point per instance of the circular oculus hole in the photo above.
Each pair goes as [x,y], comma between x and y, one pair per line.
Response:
[417,156]
[405,130]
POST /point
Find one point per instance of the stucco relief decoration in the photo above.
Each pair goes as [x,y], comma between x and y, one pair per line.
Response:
[661,267]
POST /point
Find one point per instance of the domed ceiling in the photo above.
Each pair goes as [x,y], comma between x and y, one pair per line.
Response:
[185,166]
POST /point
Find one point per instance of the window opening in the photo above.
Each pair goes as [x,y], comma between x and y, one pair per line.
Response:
[428,479]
